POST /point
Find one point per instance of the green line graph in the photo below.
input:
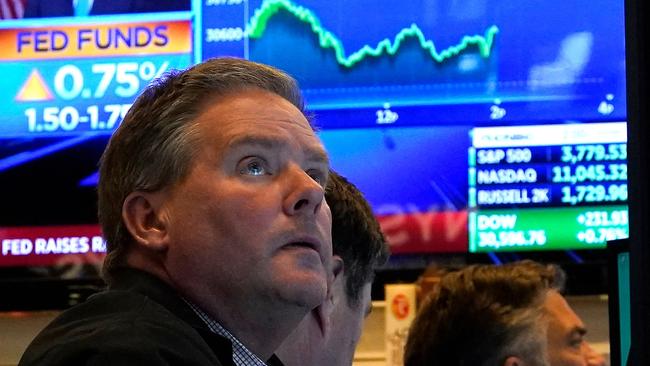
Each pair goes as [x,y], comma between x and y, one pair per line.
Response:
[258,22]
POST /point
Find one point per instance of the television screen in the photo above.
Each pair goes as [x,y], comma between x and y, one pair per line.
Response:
[474,125]
[68,81]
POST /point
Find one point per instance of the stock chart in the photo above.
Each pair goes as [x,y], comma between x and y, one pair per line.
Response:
[464,62]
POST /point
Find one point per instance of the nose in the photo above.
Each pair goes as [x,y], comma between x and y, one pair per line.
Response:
[304,195]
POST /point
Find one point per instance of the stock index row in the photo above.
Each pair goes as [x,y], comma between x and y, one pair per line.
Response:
[547,187]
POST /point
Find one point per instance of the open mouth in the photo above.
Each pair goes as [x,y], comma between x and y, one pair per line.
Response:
[301,244]
[307,253]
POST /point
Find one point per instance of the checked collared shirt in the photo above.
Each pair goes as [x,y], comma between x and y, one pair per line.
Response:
[241,355]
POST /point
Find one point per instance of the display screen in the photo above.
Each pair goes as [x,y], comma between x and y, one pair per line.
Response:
[434,62]
[67,83]
[475,125]
[547,186]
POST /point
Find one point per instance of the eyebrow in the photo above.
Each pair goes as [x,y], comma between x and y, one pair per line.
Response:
[267,142]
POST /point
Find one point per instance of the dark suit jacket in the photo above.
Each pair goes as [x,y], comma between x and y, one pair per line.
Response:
[139,321]
[63,8]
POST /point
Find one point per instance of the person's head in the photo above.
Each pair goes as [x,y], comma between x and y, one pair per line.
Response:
[565,335]
[497,315]
[329,335]
[215,182]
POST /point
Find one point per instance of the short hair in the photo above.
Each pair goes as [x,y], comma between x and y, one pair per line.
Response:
[153,147]
[356,235]
[482,314]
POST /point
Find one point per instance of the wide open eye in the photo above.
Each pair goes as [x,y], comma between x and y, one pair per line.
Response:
[253,166]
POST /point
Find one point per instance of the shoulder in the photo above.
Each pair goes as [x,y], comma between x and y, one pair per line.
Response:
[118,328]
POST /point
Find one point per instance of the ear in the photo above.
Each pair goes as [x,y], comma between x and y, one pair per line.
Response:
[337,267]
[335,293]
[142,216]
[514,361]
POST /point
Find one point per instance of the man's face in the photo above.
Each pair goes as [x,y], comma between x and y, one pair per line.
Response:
[565,335]
[347,323]
[249,225]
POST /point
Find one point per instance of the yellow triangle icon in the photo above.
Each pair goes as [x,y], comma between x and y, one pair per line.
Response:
[34,89]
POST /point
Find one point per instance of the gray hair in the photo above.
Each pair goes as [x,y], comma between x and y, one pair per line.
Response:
[153,147]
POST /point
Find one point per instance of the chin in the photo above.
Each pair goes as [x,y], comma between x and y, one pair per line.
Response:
[307,293]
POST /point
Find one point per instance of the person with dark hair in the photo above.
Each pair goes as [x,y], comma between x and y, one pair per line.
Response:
[211,201]
[329,334]
[499,315]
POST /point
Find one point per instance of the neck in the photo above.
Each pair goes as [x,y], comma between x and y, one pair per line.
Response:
[259,324]
[260,330]
[303,345]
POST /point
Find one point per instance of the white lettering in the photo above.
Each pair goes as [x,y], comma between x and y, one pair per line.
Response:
[98,244]
[62,245]
[16,246]
[490,156]
[496,222]
[491,176]
[502,196]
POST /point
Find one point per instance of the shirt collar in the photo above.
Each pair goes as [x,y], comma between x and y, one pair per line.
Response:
[241,355]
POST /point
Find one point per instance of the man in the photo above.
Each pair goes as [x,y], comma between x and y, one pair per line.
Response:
[211,200]
[329,334]
[510,315]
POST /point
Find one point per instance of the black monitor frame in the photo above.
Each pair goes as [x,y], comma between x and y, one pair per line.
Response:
[637,14]
[614,249]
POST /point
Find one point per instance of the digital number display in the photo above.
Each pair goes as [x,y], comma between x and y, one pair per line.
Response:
[83,77]
[563,192]
[69,118]
[544,229]
[389,85]
[589,173]
[600,152]
[67,84]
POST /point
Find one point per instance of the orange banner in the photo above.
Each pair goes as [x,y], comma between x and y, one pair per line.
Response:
[82,41]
